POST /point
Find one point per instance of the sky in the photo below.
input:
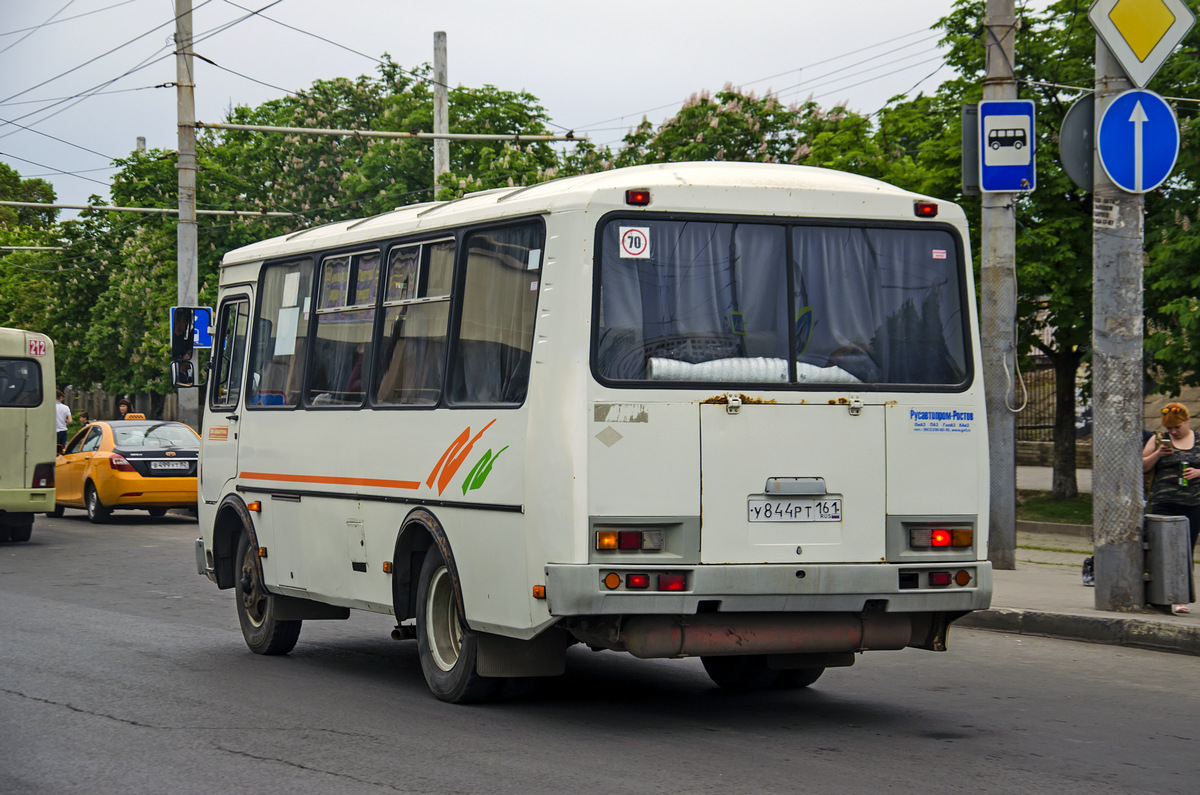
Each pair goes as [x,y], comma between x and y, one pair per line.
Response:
[83,79]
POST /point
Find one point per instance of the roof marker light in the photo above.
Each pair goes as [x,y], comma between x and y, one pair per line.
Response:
[637,198]
[925,209]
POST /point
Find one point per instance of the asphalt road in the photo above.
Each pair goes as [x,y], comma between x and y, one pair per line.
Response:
[122,670]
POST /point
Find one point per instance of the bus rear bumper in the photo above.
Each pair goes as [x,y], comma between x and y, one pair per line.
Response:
[582,590]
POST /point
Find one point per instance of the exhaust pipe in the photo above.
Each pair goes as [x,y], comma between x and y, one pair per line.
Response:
[763,633]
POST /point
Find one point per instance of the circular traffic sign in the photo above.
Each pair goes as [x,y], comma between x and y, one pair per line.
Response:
[1138,141]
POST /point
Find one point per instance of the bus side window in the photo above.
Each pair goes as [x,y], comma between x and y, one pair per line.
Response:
[412,355]
[280,333]
[495,340]
[345,322]
[230,350]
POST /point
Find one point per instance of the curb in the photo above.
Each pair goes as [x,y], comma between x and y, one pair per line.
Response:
[1055,528]
[1134,632]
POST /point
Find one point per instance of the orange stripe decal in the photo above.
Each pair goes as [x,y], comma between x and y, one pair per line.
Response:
[332,481]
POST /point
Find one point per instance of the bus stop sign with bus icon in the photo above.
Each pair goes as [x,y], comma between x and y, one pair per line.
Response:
[1007,147]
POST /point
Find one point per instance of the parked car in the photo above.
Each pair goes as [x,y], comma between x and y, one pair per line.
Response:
[130,464]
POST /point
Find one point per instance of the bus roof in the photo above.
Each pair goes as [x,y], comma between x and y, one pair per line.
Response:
[753,188]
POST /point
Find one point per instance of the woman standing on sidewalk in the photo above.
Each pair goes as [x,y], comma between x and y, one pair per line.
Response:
[1175,460]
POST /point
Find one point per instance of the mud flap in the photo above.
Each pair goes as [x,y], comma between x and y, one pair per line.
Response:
[545,655]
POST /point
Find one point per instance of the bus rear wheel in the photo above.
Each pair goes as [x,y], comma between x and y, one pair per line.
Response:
[447,649]
[17,532]
[742,672]
[264,633]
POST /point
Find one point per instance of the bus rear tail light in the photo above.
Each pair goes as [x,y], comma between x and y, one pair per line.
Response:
[629,540]
[940,537]
[119,463]
[672,582]
[43,476]
[939,579]
[637,581]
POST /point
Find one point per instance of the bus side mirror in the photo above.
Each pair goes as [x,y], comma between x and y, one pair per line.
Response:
[189,336]
[183,373]
[183,329]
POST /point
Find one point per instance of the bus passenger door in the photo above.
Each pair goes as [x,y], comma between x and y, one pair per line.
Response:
[219,459]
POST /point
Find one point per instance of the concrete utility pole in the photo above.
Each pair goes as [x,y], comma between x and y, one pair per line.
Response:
[441,108]
[1117,263]
[998,304]
[187,279]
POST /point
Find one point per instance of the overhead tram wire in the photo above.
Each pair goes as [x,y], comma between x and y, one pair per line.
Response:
[36,28]
[771,77]
[94,59]
[414,75]
[53,21]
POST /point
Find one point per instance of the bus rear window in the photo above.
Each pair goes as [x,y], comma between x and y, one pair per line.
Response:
[704,301]
[20,383]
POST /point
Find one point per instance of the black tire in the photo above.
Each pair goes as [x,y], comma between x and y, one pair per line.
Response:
[743,672]
[797,677]
[156,512]
[57,512]
[18,532]
[264,633]
[97,513]
[446,648]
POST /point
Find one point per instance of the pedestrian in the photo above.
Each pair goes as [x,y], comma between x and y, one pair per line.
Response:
[124,406]
[62,417]
[84,418]
[1175,459]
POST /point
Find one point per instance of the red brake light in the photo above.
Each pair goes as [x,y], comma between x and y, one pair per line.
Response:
[939,579]
[941,538]
[672,582]
[925,209]
[43,476]
[119,462]
[629,539]
[637,198]
[637,580]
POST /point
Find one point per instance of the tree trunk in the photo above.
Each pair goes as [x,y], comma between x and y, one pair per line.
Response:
[1064,485]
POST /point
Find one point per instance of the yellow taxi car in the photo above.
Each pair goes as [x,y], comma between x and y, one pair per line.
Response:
[129,464]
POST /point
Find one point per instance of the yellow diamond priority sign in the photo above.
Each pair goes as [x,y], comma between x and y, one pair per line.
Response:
[1141,34]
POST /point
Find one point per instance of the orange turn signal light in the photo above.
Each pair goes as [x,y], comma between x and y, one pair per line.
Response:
[606,539]
[539,592]
[255,506]
[387,567]
[262,552]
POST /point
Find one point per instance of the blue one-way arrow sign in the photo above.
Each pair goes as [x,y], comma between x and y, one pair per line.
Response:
[1138,141]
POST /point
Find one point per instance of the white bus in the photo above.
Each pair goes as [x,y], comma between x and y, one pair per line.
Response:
[27,391]
[732,411]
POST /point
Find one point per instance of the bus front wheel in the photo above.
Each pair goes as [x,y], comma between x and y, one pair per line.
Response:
[264,633]
[447,649]
[741,672]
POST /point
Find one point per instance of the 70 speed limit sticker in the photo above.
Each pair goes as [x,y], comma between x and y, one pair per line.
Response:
[635,242]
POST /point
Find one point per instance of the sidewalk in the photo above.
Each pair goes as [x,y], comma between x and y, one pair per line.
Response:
[1045,595]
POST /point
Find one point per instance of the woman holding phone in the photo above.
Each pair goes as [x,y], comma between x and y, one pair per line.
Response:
[1175,459]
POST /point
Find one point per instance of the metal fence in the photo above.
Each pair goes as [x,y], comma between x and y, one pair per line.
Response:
[1036,422]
